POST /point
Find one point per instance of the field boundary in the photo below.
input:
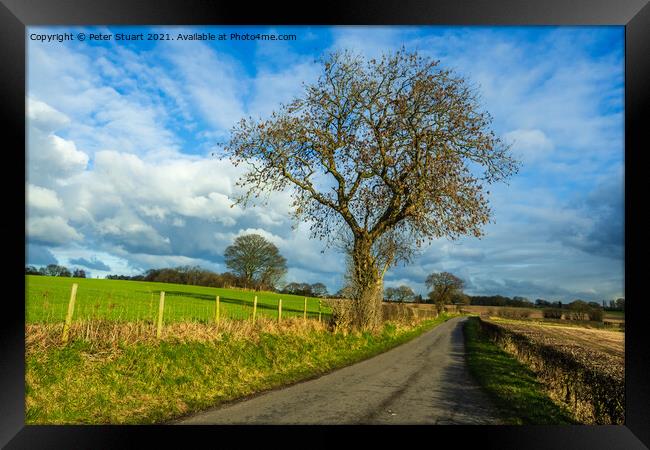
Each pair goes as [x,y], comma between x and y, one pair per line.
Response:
[521,398]
[592,396]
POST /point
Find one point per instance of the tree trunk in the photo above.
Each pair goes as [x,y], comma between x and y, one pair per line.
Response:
[368,287]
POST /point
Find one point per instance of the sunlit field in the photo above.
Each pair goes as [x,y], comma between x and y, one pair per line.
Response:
[47,301]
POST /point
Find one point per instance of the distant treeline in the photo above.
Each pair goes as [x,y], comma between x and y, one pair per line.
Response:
[192,275]
[500,300]
[195,275]
[55,270]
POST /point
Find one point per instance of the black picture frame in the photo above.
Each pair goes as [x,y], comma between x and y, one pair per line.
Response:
[15,15]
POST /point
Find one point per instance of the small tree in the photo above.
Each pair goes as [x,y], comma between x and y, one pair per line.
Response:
[400,294]
[55,270]
[256,260]
[595,314]
[552,313]
[444,286]
[390,294]
[31,270]
[345,292]
[579,310]
[405,294]
[293,288]
[460,298]
[620,304]
[381,155]
[319,290]
[79,273]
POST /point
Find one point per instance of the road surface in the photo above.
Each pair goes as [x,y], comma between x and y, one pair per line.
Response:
[424,381]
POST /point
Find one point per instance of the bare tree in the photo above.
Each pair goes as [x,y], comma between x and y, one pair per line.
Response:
[390,294]
[319,289]
[444,288]
[399,294]
[388,153]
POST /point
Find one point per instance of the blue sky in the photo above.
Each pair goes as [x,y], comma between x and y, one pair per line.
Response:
[120,176]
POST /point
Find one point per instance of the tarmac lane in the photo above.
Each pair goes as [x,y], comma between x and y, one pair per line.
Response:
[424,381]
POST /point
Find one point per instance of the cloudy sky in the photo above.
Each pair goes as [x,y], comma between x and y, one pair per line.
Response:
[120,176]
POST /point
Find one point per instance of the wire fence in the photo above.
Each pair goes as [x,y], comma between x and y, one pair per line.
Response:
[49,301]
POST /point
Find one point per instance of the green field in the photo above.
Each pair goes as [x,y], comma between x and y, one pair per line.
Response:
[46,300]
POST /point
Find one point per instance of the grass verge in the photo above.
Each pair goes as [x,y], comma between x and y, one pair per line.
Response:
[512,386]
[132,382]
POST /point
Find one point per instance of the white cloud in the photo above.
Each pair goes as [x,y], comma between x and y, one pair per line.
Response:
[44,117]
[187,186]
[127,230]
[213,80]
[529,146]
[275,87]
[52,230]
[50,157]
[102,115]
[42,200]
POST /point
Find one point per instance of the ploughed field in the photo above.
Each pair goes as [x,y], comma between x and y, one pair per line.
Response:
[583,368]
[593,346]
[47,298]
[613,318]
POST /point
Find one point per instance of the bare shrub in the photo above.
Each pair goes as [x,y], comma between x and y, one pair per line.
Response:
[577,315]
[523,314]
[398,312]
[513,313]
[596,314]
[552,313]
[342,317]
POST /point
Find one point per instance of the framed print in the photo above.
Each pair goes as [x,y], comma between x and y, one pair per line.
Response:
[403,220]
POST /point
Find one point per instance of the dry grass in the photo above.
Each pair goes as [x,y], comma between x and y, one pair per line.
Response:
[107,334]
[396,313]
[119,373]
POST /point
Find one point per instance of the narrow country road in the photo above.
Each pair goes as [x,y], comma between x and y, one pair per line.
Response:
[424,381]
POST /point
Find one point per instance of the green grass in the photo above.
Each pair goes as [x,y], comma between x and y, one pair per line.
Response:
[512,386]
[145,383]
[46,301]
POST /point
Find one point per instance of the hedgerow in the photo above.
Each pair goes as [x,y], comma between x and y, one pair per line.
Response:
[590,383]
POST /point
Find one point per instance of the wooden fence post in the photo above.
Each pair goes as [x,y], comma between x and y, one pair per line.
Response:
[216,316]
[68,317]
[161,308]
[319,309]
[304,314]
[254,307]
[279,310]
